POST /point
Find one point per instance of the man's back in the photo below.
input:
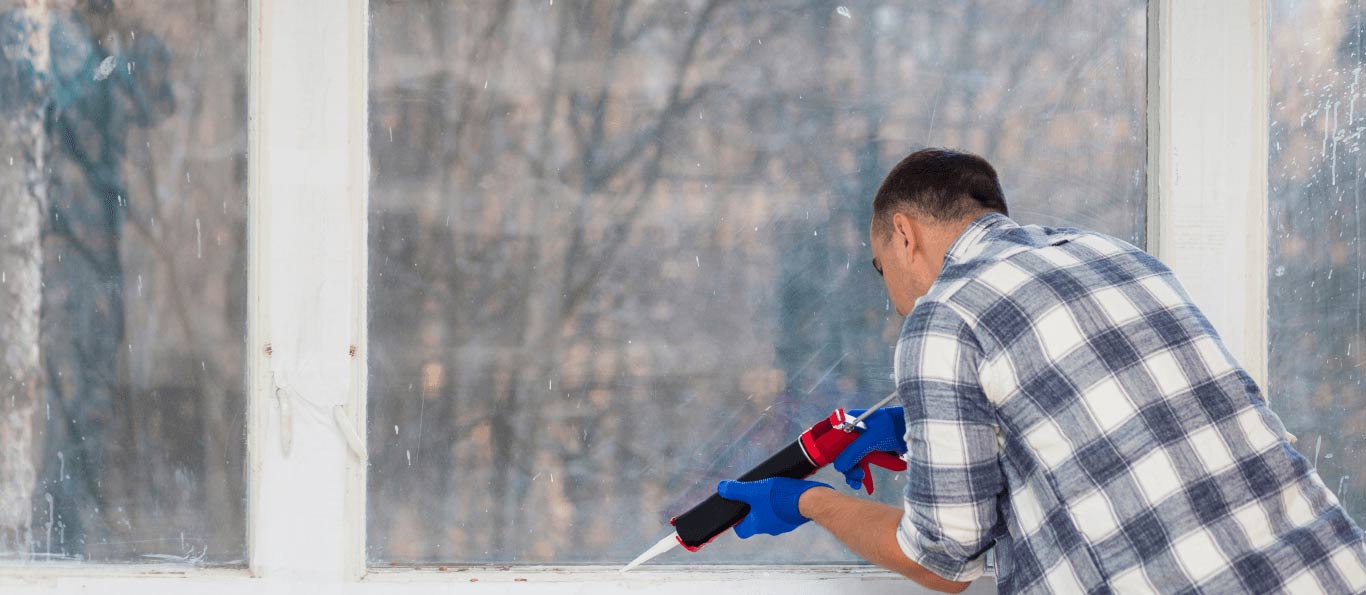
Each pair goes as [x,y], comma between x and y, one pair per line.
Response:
[1131,450]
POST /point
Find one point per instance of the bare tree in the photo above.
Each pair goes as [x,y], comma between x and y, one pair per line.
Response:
[24,63]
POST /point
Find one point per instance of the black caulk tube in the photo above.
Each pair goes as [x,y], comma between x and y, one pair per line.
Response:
[817,447]
[716,515]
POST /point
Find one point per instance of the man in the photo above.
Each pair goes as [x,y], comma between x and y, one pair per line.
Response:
[1065,403]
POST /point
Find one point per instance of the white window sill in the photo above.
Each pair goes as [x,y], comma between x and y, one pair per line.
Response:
[158,579]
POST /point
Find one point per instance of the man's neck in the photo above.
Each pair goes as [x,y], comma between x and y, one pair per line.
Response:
[941,236]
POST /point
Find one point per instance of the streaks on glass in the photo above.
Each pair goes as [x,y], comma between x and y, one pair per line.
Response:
[104,69]
[1317,259]
[136,452]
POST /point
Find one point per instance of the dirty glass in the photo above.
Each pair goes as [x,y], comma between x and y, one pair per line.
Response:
[122,282]
[1317,260]
[617,249]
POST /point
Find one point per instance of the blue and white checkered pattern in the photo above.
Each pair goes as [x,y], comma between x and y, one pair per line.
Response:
[1069,405]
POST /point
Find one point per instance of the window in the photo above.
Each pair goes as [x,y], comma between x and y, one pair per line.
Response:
[1317,259]
[617,250]
[123,283]
[739,143]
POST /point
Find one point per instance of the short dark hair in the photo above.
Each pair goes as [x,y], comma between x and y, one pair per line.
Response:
[943,184]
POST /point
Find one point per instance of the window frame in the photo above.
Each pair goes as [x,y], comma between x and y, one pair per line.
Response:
[1207,213]
[308,184]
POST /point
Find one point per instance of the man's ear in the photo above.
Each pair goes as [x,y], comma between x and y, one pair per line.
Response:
[904,233]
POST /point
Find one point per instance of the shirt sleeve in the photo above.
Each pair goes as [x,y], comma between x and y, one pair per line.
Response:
[954,474]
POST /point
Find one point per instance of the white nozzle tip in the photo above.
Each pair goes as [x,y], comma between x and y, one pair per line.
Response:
[669,542]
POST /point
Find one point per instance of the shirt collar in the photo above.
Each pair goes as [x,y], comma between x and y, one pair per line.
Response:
[965,246]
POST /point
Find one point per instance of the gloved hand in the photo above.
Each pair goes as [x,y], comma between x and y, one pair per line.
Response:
[884,430]
[772,504]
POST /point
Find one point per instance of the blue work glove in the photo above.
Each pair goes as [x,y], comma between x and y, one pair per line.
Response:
[884,430]
[772,504]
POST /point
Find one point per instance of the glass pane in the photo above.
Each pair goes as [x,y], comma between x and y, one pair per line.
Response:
[1317,261]
[618,253]
[123,282]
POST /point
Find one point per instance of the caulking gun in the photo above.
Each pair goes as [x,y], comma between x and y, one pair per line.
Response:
[815,448]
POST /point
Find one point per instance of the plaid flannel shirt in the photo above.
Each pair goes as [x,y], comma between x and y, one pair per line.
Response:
[1067,404]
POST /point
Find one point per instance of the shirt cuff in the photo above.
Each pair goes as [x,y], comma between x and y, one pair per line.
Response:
[937,562]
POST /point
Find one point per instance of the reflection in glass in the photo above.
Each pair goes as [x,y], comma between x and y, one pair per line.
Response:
[122,438]
[1317,261]
[617,249]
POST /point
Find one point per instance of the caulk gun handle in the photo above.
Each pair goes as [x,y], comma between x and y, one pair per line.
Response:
[716,515]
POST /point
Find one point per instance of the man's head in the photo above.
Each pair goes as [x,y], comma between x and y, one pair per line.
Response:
[923,205]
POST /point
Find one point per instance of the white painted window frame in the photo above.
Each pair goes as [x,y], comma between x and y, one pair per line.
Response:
[309,178]
[1208,162]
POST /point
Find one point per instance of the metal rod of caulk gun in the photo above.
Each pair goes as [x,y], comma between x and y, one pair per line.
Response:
[851,424]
